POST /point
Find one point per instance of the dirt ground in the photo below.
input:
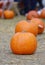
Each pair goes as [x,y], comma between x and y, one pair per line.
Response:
[7,28]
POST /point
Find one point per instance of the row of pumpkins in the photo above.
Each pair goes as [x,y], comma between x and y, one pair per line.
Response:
[24,40]
[36,14]
[8,14]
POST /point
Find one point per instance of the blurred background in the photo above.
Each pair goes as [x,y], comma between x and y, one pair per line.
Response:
[24,6]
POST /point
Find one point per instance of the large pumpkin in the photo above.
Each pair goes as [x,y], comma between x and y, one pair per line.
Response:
[23,43]
[40,24]
[8,14]
[1,12]
[32,14]
[42,15]
[24,26]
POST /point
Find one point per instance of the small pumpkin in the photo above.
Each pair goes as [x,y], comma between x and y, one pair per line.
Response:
[32,14]
[42,15]
[23,43]
[8,14]
[24,26]
[40,24]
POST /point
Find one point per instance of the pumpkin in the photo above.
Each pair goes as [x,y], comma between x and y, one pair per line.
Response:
[32,14]
[1,12]
[8,14]
[40,24]
[42,15]
[24,26]
[23,43]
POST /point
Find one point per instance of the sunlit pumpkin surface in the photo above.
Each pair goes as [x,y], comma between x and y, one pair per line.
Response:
[25,26]
[23,43]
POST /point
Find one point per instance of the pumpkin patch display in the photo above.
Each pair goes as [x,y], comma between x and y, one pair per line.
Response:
[40,24]
[32,14]
[23,43]
[8,14]
[24,26]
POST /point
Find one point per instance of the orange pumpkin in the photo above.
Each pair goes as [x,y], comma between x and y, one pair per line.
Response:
[40,24]
[42,15]
[23,43]
[8,14]
[24,26]
[1,12]
[33,28]
[32,14]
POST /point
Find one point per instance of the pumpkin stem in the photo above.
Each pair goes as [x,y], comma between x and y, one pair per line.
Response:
[40,26]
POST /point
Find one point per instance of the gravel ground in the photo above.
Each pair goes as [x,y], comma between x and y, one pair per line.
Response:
[7,28]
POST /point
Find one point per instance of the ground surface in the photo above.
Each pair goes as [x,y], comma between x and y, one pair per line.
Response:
[7,57]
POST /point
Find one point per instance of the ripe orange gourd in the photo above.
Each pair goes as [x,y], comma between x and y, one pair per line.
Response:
[32,14]
[1,12]
[23,43]
[24,26]
[40,24]
[8,14]
[42,15]
[33,28]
